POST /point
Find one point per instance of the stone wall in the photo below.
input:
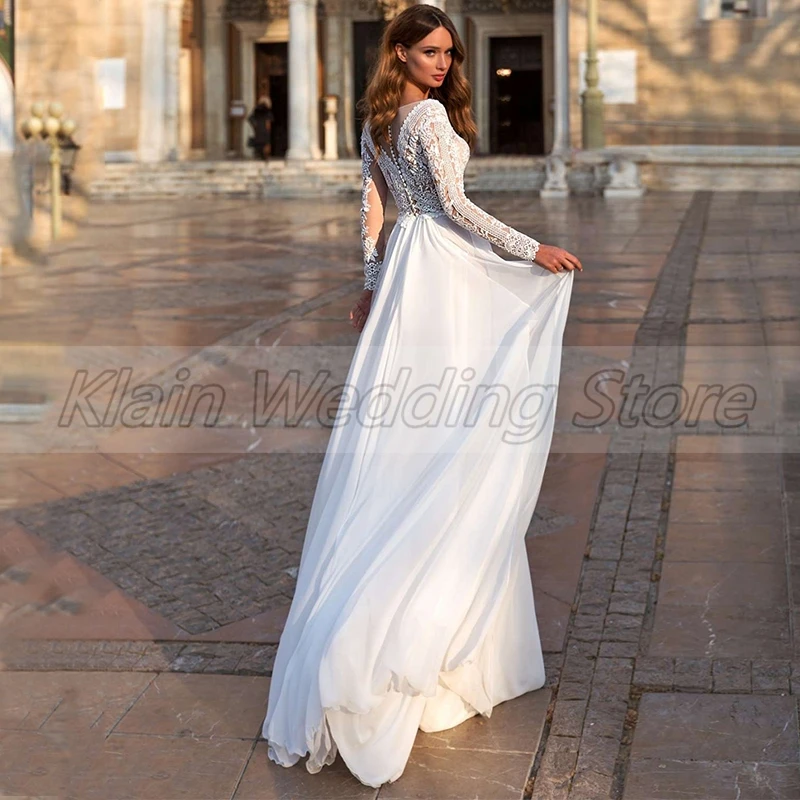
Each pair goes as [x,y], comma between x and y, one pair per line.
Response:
[57,44]
[720,82]
[123,31]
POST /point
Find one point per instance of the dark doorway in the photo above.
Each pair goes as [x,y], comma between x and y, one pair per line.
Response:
[516,95]
[272,78]
[366,43]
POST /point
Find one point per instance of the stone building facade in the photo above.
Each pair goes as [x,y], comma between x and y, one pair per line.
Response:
[708,72]
[722,72]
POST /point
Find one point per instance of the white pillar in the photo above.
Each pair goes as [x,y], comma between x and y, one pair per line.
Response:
[313,80]
[172,65]
[161,81]
[7,131]
[455,12]
[153,82]
[302,40]
[561,139]
[333,65]
[299,140]
[215,70]
[350,145]
[185,114]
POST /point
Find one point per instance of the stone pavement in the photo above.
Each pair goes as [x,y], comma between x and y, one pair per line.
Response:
[144,580]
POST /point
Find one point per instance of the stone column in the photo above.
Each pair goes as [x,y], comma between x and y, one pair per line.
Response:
[153,88]
[185,104]
[7,129]
[338,68]
[302,81]
[455,12]
[350,145]
[561,140]
[160,95]
[299,140]
[313,76]
[172,81]
[215,71]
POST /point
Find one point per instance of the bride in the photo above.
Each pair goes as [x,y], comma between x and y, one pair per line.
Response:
[414,606]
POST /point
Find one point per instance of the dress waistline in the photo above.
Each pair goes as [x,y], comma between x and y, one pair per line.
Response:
[405,218]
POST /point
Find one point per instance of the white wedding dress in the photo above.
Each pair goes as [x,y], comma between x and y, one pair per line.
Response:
[414,606]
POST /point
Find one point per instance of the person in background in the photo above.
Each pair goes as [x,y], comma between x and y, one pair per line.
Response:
[260,120]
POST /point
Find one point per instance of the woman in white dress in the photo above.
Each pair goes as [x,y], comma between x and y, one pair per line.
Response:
[414,606]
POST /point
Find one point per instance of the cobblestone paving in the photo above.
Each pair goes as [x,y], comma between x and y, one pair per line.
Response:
[202,549]
[225,658]
[599,718]
[593,705]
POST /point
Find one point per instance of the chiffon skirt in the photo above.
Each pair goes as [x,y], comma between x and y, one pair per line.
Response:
[414,606]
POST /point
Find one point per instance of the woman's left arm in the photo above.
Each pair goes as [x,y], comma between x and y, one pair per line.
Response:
[438,139]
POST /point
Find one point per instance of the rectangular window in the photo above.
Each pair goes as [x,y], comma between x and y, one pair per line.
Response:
[734,9]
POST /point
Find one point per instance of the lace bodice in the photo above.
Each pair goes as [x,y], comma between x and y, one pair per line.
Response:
[425,173]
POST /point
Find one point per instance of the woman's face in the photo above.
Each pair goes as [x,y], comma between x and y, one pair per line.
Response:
[428,61]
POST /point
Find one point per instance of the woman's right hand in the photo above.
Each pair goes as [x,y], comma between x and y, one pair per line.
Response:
[556,260]
[360,311]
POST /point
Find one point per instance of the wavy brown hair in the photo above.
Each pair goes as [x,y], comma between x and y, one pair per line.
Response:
[388,77]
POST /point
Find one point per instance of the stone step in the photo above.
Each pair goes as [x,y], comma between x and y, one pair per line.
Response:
[289,179]
[663,168]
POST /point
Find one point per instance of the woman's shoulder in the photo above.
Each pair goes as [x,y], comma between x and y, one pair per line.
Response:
[432,106]
[432,112]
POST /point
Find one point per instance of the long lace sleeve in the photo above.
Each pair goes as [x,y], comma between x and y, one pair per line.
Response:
[438,141]
[373,203]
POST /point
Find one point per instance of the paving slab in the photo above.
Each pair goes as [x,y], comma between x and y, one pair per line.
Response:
[716,746]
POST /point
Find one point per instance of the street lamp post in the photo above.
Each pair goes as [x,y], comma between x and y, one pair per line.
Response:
[593,133]
[48,124]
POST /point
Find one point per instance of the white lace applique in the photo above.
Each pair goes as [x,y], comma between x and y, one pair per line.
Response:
[447,155]
[426,176]
[373,203]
